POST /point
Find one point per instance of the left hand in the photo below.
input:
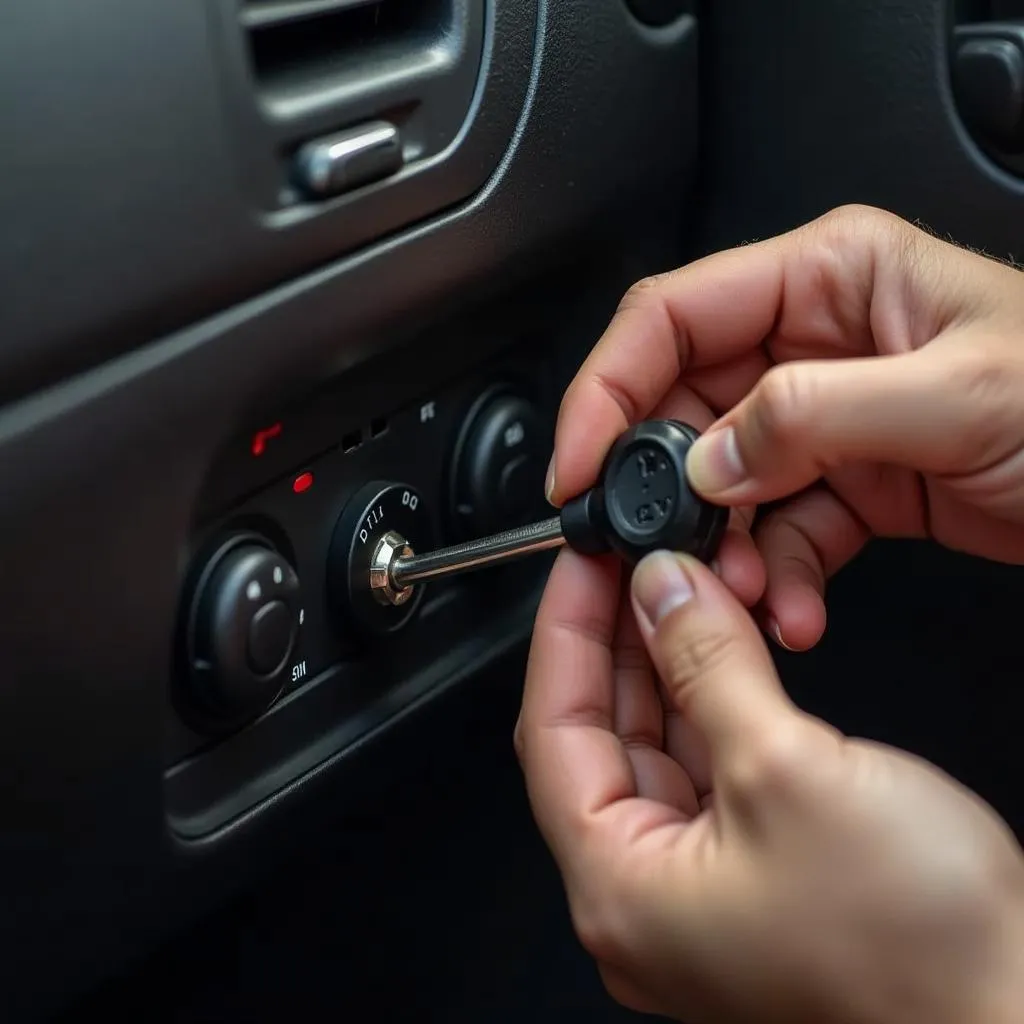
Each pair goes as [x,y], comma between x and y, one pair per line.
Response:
[728,857]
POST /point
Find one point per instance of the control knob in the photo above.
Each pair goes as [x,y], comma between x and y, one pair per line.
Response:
[380,520]
[499,464]
[241,630]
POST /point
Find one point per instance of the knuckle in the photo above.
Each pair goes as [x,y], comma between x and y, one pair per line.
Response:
[782,400]
[601,907]
[595,931]
[776,761]
[647,292]
[980,376]
[645,285]
[858,226]
[852,220]
[691,656]
[988,386]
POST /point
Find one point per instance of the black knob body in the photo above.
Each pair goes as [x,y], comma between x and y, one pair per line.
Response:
[243,623]
[499,464]
[375,513]
[643,501]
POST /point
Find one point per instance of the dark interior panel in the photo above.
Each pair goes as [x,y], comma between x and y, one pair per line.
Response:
[202,338]
[843,103]
[852,103]
[112,473]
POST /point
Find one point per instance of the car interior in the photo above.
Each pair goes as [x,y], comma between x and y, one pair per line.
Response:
[279,275]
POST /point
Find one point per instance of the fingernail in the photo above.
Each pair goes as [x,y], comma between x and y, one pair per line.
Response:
[660,585]
[713,464]
[549,483]
[776,631]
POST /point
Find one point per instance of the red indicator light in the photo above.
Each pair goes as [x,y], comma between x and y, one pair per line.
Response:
[261,437]
[302,482]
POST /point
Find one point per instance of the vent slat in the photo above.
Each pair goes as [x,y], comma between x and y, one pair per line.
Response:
[257,14]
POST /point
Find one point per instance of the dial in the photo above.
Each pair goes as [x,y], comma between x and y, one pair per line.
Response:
[378,514]
[500,460]
[243,623]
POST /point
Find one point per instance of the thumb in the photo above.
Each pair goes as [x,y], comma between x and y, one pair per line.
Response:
[709,654]
[917,410]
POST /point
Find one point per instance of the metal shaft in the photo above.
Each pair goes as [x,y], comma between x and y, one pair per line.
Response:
[475,554]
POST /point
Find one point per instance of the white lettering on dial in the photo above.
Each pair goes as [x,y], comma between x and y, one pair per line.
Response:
[372,521]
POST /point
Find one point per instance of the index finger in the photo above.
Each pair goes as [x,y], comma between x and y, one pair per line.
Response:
[807,293]
[710,311]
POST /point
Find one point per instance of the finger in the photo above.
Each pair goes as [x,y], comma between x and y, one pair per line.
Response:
[573,763]
[855,282]
[685,745]
[739,564]
[639,719]
[808,292]
[637,710]
[942,410]
[662,779]
[709,654]
[804,543]
[724,385]
[662,326]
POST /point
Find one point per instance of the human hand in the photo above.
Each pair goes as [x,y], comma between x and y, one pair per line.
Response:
[728,858]
[782,340]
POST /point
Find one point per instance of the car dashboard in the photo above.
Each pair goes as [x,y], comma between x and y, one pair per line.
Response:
[276,275]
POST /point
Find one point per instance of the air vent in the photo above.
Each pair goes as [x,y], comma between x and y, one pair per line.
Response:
[335,101]
[307,53]
[260,13]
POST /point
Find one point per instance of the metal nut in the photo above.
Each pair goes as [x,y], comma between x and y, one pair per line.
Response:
[390,547]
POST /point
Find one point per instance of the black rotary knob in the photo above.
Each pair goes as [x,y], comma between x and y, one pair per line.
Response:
[378,515]
[500,460]
[643,500]
[243,623]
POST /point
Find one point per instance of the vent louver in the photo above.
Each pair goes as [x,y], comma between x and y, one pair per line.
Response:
[309,53]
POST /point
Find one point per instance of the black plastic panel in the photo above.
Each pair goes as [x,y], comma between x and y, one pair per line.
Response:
[141,172]
[345,683]
[129,230]
[103,475]
[838,103]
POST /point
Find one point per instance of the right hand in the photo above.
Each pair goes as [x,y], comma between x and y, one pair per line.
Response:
[864,372]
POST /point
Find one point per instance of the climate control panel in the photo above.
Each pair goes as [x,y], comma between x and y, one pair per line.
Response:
[282,638]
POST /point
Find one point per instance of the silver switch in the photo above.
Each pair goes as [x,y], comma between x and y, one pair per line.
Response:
[339,163]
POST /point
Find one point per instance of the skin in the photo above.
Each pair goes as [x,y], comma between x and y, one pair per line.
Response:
[726,857]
